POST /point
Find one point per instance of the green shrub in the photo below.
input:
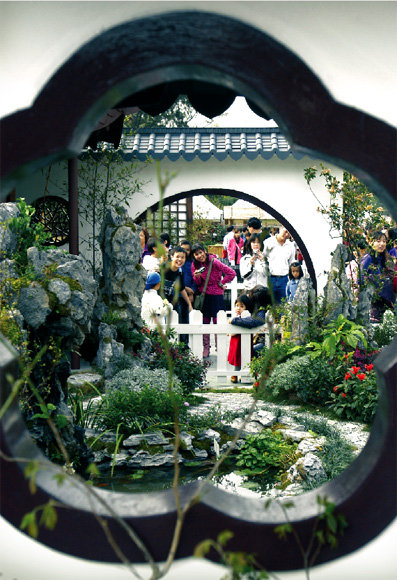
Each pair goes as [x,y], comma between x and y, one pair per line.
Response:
[387,329]
[265,451]
[309,380]
[137,378]
[190,370]
[356,398]
[139,398]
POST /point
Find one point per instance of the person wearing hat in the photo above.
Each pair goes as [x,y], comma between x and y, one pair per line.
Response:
[154,308]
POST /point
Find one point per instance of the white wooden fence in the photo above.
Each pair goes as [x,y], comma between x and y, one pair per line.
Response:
[219,368]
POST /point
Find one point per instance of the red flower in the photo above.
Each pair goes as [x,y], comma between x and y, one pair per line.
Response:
[343,395]
[347,376]
[355,370]
[336,388]
[361,376]
[256,384]
[369,367]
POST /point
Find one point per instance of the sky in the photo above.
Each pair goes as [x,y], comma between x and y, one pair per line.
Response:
[238,115]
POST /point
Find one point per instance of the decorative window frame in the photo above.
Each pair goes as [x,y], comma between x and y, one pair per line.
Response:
[203,46]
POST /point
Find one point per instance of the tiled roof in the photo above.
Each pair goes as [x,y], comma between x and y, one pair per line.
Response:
[204,143]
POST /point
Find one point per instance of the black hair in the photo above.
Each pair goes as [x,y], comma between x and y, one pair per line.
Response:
[383,255]
[229,228]
[165,238]
[255,223]
[260,296]
[151,244]
[244,229]
[145,233]
[362,244]
[185,243]
[246,300]
[295,265]
[177,249]
[196,248]
[247,245]
[392,234]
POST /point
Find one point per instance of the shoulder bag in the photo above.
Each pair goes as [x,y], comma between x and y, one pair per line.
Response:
[199,300]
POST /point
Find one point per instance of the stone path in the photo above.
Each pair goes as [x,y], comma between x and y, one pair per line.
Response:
[353,432]
[228,401]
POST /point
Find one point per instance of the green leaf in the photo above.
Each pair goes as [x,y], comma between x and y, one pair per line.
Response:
[62,421]
[92,469]
[49,516]
[30,473]
[351,340]
[202,549]
[224,537]
[282,530]
[29,522]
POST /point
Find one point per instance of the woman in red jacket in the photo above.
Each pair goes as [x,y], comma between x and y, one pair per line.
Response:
[219,276]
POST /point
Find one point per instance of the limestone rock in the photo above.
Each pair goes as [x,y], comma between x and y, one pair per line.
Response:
[144,459]
[34,305]
[308,468]
[303,300]
[295,435]
[61,290]
[338,291]
[209,434]
[150,438]
[8,239]
[123,281]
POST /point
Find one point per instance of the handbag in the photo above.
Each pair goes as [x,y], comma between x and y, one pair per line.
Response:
[199,300]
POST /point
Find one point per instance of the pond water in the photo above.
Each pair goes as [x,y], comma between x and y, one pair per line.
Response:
[158,479]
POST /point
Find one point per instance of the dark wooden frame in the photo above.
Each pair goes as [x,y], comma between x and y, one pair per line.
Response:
[129,58]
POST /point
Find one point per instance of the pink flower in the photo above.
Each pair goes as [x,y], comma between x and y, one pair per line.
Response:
[361,376]
[186,404]
[347,376]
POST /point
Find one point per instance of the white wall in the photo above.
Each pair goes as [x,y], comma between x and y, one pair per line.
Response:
[351,46]
[279,183]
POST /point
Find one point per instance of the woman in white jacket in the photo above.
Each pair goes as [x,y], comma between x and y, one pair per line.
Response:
[253,266]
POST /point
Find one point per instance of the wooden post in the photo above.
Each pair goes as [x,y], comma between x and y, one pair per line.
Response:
[73,229]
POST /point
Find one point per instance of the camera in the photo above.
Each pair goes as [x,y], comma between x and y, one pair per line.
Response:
[200,270]
[254,251]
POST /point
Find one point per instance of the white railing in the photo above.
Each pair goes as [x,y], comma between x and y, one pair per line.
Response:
[236,288]
[219,368]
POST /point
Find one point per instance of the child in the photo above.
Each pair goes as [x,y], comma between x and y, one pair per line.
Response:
[295,274]
[243,308]
[152,261]
[154,308]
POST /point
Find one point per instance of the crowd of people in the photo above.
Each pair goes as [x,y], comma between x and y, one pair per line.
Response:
[267,263]
[375,262]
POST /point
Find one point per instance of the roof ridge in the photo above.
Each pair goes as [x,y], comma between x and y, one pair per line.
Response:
[207,130]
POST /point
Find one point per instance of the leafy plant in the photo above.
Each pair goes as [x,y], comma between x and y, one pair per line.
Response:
[265,451]
[84,412]
[138,399]
[28,234]
[357,397]
[215,418]
[352,207]
[387,329]
[190,370]
[303,378]
[337,333]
